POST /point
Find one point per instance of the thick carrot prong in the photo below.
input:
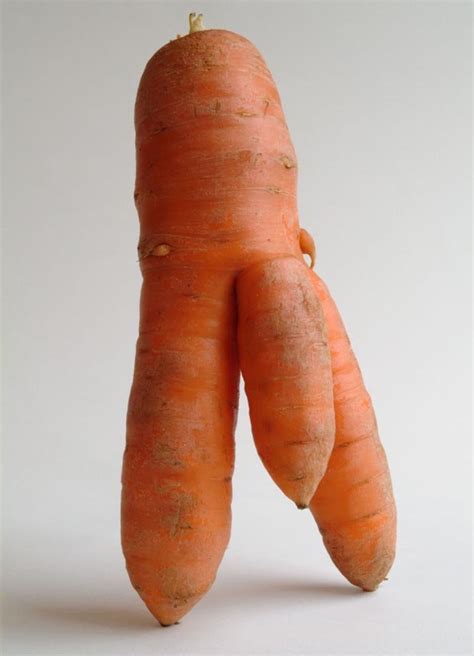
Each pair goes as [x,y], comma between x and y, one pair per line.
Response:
[286,366]
[179,457]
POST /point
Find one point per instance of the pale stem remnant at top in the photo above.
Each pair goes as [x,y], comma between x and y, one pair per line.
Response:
[195,22]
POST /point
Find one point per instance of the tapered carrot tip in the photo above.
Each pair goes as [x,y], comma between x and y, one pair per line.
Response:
[363,550]
[167,614]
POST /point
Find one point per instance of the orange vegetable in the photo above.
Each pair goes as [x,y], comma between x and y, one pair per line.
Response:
[216,194]
[354,505]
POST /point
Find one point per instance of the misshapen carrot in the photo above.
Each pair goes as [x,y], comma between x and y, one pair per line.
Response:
[354,505]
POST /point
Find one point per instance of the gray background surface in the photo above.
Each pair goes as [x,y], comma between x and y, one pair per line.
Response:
[377,98]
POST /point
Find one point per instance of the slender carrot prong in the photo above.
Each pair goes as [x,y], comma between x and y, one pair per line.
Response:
[354,505]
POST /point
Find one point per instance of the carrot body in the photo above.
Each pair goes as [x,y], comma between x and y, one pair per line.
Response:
[215,193]
[286,366]
[353,505]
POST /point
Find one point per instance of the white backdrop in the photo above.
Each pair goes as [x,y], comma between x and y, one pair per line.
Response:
[377,100]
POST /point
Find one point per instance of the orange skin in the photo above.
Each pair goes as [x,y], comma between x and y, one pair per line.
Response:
[215,193]
[354,505]
[286,366]
[179,456]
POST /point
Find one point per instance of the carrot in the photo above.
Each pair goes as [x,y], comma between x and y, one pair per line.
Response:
[286,366]
[216,194]
[353,505]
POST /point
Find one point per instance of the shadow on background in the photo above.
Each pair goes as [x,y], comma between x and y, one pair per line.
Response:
[112,614]
[270,589]
[108,615]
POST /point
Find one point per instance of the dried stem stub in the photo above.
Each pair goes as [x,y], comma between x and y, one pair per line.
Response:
[195,22]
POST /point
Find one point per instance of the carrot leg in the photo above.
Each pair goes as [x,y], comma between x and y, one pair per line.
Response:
[179,454]
[353,505]
[286,367]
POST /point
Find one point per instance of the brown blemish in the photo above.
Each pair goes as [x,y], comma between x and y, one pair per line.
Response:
[245,113]
[166,454]
[184,503]
[146,249]
[300,477]
[287,162]
[159,130]
[267,425]
[167,487]
[344,445]
[178,590]
[161,250]
[299,442]
[372,514]
[369,479]
[308,302]
[363,482]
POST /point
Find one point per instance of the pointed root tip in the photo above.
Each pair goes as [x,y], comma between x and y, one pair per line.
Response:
[374,586]
[301,506]
[165,625]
